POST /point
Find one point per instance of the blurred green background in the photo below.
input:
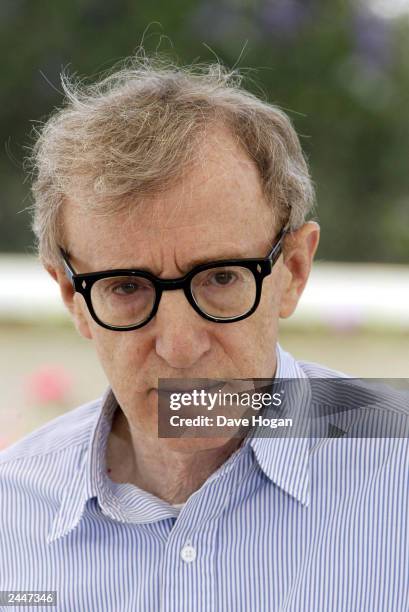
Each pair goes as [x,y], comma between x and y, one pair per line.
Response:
[341,71]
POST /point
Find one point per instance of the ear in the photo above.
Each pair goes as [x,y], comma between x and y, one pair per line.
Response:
[73,301]
[299,250]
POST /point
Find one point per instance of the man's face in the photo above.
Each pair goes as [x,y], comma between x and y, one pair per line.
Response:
[217,211]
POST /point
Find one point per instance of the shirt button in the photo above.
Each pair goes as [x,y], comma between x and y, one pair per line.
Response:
[188,553]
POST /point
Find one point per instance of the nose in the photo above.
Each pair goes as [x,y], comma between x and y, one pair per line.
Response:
[182,336]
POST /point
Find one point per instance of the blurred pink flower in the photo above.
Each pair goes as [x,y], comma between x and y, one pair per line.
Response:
[4,442]
[49,384]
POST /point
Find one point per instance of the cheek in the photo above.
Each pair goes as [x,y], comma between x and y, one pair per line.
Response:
[265,328]
[262,331]
[121,355]
[265,319]
[250,344]
[272,292]
[81,317]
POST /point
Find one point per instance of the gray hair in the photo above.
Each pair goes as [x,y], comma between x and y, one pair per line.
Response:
[132,133]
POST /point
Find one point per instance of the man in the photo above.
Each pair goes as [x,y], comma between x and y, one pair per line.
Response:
[159,174]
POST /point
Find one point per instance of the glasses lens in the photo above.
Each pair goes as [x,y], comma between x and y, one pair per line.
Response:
[123,301]
[224,292]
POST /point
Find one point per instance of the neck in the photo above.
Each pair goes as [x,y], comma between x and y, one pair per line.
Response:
[151,464]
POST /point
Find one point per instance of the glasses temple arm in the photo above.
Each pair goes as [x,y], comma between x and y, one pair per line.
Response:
[69,271]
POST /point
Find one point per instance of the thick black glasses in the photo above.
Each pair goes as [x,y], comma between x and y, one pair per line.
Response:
[221,291]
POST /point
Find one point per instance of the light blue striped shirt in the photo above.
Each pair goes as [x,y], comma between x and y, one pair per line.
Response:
[285,524]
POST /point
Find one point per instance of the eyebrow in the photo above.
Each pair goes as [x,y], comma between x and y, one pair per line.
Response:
[193,263]
[197,261]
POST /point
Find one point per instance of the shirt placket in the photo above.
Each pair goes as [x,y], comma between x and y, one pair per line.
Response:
[188,577]
[188,580]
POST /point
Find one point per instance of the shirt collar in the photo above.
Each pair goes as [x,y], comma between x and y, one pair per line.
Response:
[122,502]
[283,460]
[82,486]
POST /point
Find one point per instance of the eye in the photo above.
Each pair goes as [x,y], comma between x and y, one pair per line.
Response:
[128,288]
[223,278]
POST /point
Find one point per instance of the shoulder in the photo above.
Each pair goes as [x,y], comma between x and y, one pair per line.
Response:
[37,471]
[366,407]
[69,430]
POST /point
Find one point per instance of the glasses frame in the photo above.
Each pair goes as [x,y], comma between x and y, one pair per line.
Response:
[260,267]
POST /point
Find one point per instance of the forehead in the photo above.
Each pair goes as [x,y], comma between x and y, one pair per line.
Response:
[216,207]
